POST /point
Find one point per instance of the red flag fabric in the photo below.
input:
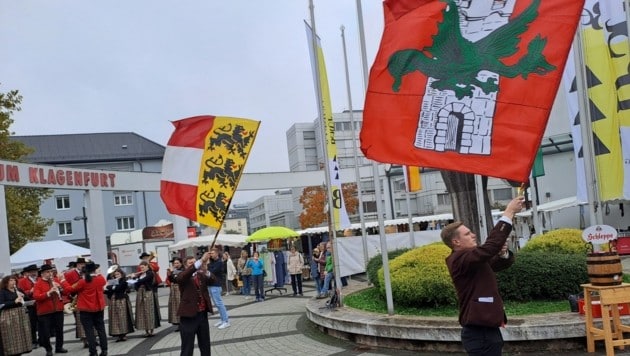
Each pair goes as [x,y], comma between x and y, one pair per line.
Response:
[466,88]
[202,165]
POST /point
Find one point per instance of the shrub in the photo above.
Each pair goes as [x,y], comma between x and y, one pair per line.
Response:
[541,275]
[375,263]
[558,241]
[420,277]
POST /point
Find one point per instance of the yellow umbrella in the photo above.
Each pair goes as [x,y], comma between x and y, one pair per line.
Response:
[270,233]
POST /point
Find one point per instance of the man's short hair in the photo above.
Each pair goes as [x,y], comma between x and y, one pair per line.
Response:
[449,232]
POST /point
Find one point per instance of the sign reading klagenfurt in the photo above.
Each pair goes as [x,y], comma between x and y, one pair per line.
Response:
[42,176]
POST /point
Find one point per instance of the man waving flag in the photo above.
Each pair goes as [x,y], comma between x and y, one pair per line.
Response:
[203,163]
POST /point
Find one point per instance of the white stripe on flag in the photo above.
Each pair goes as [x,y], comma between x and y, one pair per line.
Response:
[180,165]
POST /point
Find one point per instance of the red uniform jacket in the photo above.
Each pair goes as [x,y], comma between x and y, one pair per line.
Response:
[91,297]
[26,285]
[46,304]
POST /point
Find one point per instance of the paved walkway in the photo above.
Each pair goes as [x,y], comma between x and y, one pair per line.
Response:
[277,326]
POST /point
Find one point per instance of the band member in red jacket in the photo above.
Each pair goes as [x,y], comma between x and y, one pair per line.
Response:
[48,300]
[91,305]
[27,284]
[72,276]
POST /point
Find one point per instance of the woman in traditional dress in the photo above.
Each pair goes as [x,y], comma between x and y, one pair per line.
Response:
[174,296]
[15,327]
[119,312]
[147,308]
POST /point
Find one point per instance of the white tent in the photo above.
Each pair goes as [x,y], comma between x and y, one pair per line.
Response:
[553,206]
[37,251]
[233,240]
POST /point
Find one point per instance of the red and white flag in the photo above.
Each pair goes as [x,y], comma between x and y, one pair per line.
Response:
[466,85]
[202,166]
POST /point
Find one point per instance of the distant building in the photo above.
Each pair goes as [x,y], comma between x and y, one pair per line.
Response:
[237,219]
[264,210]
[122,151]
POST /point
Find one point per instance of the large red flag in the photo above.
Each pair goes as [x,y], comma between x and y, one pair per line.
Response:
[202,165]
[466,88]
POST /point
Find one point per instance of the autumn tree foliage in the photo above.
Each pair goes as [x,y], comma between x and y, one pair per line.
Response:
[314,200]
[23,219]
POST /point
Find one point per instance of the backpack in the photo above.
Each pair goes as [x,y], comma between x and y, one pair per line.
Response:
[333,303]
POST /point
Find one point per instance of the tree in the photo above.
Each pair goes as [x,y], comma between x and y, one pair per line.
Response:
[461,187]
[314,200]
[23,204]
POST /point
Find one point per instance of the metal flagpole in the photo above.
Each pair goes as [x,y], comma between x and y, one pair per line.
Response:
[592,191]
[377,180]
[481,209]
[332,232]
[412,241]
[355,149]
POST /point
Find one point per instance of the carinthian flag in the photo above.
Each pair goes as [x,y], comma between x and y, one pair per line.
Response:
[466,85]
[202,165]
[413,182]
[339,212]
[606,54]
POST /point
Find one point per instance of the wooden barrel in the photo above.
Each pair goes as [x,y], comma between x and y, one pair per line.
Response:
[604,269]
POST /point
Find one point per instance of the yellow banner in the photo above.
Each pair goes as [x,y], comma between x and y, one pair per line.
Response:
[607,57]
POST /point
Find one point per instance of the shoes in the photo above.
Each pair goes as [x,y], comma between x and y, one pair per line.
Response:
[35,345]
[49,353]
[322,295]
[301,295]
[294,295]
[224,325]
[61,351]
[177,329]
[218,323]
[103,353]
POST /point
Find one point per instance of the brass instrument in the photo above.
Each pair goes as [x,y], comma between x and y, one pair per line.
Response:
[112,269]
[70,308]
[152,256]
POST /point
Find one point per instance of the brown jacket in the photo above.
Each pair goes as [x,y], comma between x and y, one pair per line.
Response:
[473,273]
[190,292]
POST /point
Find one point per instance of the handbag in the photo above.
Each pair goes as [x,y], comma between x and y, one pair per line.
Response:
[264,273]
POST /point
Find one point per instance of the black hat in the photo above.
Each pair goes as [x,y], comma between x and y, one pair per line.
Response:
[91,267]
[71,264]
[81,260]
[46,268]
[144,254]
[30,268]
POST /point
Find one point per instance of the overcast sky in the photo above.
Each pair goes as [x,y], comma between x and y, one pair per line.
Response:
[134,66]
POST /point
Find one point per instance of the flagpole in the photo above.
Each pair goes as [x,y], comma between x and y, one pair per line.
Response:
[331,230]
[355,149]
[377,180]
[412,241]
[481,209]
[592,191]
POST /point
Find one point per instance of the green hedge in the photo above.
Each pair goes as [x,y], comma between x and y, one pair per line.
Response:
[558,241]
[376,262]
[420,277]
[538,275]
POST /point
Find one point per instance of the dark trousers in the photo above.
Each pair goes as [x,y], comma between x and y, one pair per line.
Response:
[259,286]
[296,281]
[188,328]
[48,323]
[32,317]
[482,340]
[90,322]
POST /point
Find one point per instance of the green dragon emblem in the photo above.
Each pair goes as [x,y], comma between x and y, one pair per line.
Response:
[454,62]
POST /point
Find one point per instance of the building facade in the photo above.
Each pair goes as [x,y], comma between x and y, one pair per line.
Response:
[124,210]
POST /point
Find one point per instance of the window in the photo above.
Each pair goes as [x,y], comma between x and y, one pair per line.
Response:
[369,206]
[125,198]
[125,223]
[502,194]
[63,202]
[64,228]
[443,199]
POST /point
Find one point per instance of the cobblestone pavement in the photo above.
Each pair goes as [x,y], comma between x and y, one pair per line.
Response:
[277,326]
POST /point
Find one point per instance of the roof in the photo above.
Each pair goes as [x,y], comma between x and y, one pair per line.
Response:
[90,147]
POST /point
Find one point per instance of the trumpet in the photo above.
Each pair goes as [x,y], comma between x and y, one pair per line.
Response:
[152,256]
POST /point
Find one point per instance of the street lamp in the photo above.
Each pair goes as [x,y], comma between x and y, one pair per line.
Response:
[85,232]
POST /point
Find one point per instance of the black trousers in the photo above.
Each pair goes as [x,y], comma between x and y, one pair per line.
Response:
[296,280]
[48,323]
[32,317]
[482,340]
[90,322]
[188,328]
